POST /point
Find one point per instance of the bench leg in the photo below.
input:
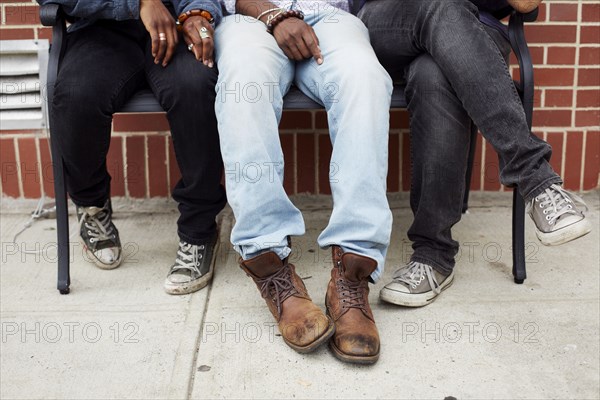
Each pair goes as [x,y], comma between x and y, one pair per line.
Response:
[518,238]
[62,222]
[472,148]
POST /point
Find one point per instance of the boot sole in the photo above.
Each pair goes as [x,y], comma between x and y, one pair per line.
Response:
[314,345]
[199,283]
[340,355]
[413,300]
[99,263]
[566,234]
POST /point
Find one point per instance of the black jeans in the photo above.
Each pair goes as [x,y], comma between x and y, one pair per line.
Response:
[454,72]
[103,66]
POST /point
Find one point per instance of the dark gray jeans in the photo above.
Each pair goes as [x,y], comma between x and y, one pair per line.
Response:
[454,71]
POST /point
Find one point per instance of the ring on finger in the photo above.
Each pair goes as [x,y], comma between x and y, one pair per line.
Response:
[204,33]
[190,46]
[162,36]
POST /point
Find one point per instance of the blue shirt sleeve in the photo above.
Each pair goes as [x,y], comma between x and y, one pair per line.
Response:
[118,10]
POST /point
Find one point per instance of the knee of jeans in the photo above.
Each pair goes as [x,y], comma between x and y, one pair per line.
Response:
[198,90]
[365,76]
[448,11]
[83,100]
[425,78]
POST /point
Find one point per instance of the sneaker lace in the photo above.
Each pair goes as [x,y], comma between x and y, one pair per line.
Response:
[99,227]
[278,286]
[188,257]
[556,202]
[414,273]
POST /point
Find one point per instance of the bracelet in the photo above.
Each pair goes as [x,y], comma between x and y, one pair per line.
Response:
[273,22]
[193,13]
[262,14]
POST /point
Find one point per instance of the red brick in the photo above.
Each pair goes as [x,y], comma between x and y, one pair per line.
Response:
[561,55]
[174,172]
[324,165]
[116,166]
[588,98]
[491,172]
[393,177]
[573,160]
[590,34]
[589,77]
[17,34]
[321,120]
[149,122]
[592,160]
[305,153]
[563,12]
[589,55]
[136,166]
[9,168]
[406,164]
[551,33]
[554,76]
[476,176]
[543,12]
[47,172]
[287,145]
[537,97]
[157,166]
[555,139]
[22,15]
[30,176]
[553,118]
[590,13]
[558,98]
[587,118]
[399,119]
[45,33]
[296,120]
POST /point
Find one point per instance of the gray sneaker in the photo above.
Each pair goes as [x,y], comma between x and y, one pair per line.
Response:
[558,216]
[99,236]
[193,267]
[415,285]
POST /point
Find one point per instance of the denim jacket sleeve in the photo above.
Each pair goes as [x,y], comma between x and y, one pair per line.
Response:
[212,6]
[99,9]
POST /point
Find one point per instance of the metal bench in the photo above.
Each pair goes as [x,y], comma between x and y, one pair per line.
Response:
[145,102]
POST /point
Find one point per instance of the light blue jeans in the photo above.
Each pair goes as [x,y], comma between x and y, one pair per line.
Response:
[254,75]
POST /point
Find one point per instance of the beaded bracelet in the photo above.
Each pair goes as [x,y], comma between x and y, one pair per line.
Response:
[273,22]
[191,13]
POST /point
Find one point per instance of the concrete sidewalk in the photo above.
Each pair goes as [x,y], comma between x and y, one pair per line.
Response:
[118,335]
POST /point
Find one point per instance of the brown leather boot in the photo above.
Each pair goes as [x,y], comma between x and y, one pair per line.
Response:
[356,338]
[302,324]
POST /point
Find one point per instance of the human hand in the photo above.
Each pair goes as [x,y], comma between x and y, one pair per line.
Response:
[524,6]
[298,40]
[202,48]
[161,26]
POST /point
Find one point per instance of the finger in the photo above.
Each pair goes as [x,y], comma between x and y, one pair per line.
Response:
[155,42]
[293,49]
[171,46]
[207,50]
[192,37]
[312,42]
[162,46]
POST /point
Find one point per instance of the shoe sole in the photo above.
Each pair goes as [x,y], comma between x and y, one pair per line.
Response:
[340,355]
[99,263]
[414,300]
[566,234]
[317,343]
[199,283]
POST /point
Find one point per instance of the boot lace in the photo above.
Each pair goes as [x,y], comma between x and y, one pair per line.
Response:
[99,226]
[278,287]
[352,293]
[414,274]
[188,258]
[556,202]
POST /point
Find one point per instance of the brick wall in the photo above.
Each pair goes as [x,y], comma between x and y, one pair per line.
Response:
[565,45]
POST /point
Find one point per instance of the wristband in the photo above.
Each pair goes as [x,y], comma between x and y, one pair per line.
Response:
[194,13]
[273,22]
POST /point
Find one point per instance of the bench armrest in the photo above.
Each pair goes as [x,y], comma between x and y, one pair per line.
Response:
[518,42]
[50,14]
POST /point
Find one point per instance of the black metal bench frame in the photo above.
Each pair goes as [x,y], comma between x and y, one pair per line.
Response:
[145,102]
